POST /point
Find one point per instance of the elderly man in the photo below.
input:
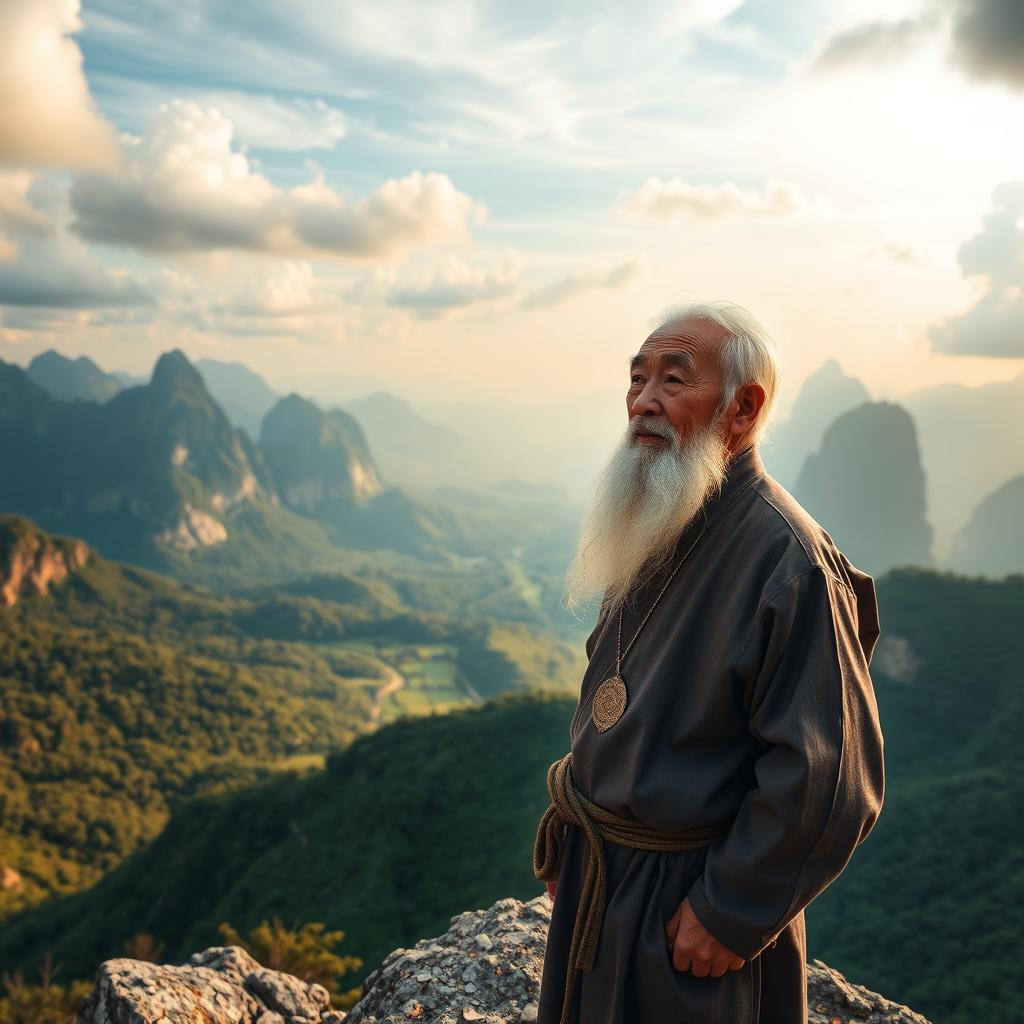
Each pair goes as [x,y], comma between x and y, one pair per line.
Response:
[726,758]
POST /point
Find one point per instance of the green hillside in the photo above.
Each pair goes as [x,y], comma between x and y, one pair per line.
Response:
[403,829]
[925,913]
[127,693]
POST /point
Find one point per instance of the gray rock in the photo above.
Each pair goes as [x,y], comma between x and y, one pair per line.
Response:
[220,985]
[831,998]
[443,980]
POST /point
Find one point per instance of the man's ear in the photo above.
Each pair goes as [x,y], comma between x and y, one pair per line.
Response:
[748,402]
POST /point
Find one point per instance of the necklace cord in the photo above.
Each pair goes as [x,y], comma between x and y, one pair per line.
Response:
[620,654]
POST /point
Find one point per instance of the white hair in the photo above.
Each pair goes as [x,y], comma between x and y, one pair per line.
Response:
[748,354]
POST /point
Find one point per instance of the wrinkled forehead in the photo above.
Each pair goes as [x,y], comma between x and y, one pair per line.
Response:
[698,338]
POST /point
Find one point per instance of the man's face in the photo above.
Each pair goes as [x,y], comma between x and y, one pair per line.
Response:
[676,377]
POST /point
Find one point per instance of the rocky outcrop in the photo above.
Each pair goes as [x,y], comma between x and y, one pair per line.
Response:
[30,561]
[220,985]
[824,395]
[866,487]
[486,967]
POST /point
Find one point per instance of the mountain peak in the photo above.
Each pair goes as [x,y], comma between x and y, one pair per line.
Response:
[173,369]
[72,379]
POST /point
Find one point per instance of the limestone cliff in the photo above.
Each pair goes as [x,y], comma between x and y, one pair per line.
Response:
[31,561]
[487,967]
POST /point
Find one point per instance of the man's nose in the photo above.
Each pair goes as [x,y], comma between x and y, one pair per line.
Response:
[646,403]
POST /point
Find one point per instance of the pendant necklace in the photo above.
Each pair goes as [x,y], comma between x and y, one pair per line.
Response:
[609,700]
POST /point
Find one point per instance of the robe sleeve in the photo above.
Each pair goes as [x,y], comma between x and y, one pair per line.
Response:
[820,778]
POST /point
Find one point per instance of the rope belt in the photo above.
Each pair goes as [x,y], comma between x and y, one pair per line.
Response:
[570,807]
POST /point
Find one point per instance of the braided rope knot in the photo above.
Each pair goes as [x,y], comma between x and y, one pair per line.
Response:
[570,807]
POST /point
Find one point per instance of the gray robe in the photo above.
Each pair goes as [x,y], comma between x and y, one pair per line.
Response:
[750,700]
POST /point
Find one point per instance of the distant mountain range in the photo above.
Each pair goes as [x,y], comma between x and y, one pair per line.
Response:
[442,454]
[243,394]
[968,442]
[157,474]
[71,379]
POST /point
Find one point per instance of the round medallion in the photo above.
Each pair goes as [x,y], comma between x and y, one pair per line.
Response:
[608,703]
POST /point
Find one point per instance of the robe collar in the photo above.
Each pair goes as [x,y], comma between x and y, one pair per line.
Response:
[744,467]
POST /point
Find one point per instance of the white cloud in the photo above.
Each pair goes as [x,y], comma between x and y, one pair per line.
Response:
[871,43]
[272,123]
[285,289]
[59,273]
[668,199]
[449,286]
[245,296]
[994,326]
[47,116]
[187,189]
[985,38]
[18,215]
[604,276]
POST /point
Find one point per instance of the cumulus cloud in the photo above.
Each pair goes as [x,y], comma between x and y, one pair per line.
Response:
[47,116]
[58,273]
[45,271]
[18,215]
[994,326]
[985,38]
[273,123]
[668,199]
[875,43]
[451,286]
[285,289]
[604,276]
[187,189]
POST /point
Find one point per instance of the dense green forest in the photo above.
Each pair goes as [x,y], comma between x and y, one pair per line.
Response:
[402,829]
[126,693]
[926,912]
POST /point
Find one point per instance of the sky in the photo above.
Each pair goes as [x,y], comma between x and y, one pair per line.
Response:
[488,202]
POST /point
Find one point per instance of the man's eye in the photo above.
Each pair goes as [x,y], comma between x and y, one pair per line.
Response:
[674,380]
[635,379]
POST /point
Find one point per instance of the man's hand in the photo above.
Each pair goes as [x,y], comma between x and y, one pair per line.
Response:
[551,890]
[695,949]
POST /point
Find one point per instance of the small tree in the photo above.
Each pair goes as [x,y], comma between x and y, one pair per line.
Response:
[45,1003]
[143,946]
[306,954]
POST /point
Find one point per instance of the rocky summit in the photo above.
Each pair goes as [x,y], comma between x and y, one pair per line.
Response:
[486,967]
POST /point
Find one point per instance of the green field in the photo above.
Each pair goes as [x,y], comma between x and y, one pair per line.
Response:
[414,679]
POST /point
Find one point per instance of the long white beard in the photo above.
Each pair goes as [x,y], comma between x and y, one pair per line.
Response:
[641,502]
